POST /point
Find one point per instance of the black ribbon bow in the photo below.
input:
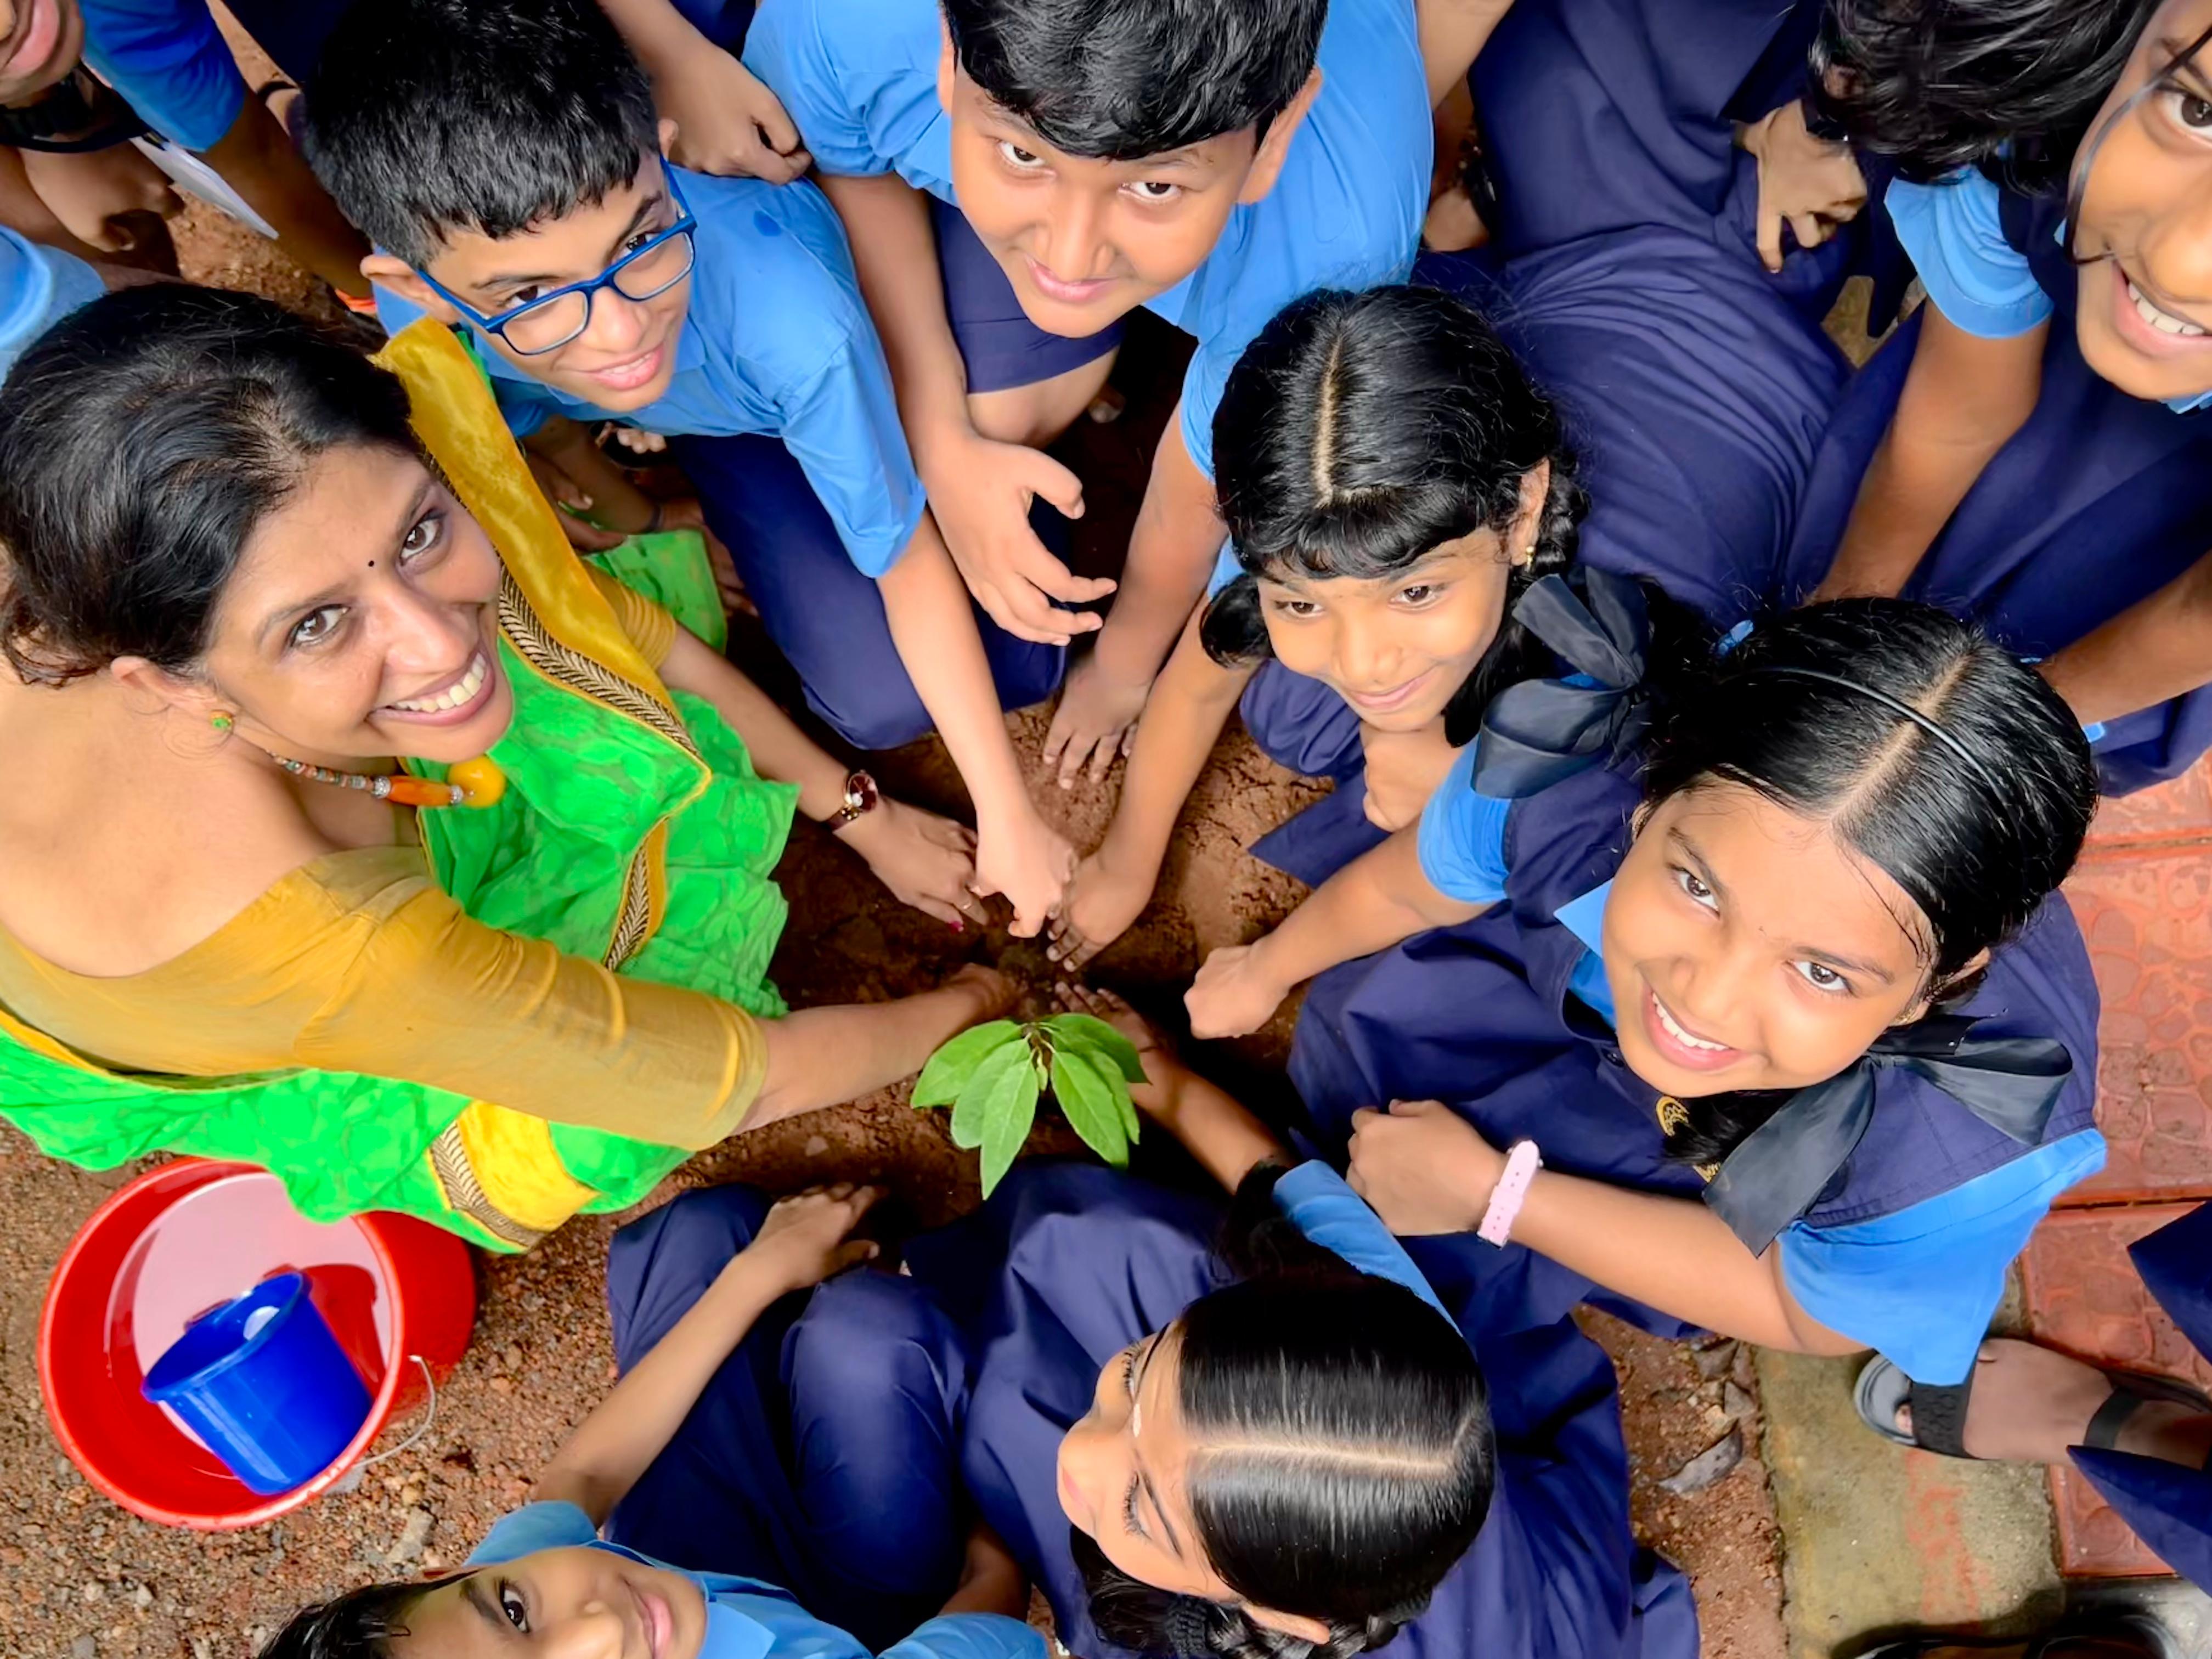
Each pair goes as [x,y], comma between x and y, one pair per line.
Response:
[1538,732]
[1780,1170]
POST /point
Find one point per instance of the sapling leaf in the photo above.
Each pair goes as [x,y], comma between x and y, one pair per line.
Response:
[952,1066]
[1094,1033]
[1087,1101]
[1007,1114]
[971,1113]
[1125,1108]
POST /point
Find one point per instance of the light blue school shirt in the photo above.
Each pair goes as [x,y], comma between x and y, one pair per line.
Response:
[1955,231]
[1330,1215]
[858,78]
[39,286]
[778,342]
[168,59]
[1920,1285]
[749,1620]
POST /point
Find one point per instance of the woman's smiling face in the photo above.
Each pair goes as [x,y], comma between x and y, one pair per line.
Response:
[1746,947]
[360,623]
[2144,316]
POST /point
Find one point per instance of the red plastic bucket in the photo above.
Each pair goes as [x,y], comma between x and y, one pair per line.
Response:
[177,1241]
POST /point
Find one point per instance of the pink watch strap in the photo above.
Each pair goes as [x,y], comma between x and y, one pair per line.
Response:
[1521,1166]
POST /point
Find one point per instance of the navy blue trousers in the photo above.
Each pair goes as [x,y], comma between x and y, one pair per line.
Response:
[824,1456]
[824,615]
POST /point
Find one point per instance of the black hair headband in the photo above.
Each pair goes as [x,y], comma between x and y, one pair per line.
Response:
[1935,729]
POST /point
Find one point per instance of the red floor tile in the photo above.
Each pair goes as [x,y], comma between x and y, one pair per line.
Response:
[2083,1294]
[2179,811]
[2148,917]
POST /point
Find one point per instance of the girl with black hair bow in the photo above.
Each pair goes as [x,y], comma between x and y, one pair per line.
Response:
[1396,467]
[1793,949]
[1265,1439]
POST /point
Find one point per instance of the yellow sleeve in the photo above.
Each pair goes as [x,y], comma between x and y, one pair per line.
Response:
[650,628]
[433,996]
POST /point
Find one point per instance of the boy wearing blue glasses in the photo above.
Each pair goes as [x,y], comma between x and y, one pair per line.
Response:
[504,157]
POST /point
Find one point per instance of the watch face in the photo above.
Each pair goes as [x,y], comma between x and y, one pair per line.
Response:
[860,792]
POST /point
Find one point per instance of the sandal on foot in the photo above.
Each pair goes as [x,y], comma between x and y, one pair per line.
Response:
[1939,1411]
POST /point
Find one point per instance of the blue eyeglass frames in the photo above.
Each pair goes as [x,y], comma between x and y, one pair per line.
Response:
[552,321]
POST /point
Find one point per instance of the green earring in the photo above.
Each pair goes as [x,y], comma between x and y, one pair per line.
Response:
[222,722]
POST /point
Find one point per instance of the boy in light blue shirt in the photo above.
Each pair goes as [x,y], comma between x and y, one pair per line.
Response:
[713,1276]
[38,287]
[505,159]
[1019,175]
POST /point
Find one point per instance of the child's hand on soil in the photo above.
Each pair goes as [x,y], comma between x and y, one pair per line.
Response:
[995,995]
[980,491]
[925,860]
[1100,905]
[1030,864]
[1422,1168]
[1234,994]
[804,1240]
[1143,1036]
[1096,720]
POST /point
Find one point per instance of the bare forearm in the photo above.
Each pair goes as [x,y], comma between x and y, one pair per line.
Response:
[2159,648]
[894,255]
[1671,1253]
[1178,534]
[820,1057]
[255,158]
[1189,704]
[1213,1125]
[1377,899]
[618,1443]
[780,751]
[932,623]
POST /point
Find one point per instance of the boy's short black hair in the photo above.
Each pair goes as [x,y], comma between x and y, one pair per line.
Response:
[1119,80]
[426,117]
[359,1625]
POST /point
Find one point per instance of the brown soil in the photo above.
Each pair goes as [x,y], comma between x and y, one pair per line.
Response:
[84,1578]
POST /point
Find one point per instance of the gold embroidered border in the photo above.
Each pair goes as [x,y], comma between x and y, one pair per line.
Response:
[449,1162]
[566,667]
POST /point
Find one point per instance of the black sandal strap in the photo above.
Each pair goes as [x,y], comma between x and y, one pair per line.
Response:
[2103,1433]
[1939,1416]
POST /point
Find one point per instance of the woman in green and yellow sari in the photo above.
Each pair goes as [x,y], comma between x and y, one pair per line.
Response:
[354,828]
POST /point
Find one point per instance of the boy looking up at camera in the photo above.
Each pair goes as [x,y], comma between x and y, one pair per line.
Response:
[504,158]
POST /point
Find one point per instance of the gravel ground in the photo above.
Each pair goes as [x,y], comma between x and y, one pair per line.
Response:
[85,1580]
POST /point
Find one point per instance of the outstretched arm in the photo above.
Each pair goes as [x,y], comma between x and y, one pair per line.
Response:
[802,1242]
[2159,648]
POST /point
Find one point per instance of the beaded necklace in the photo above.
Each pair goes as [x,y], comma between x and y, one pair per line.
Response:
[476,782]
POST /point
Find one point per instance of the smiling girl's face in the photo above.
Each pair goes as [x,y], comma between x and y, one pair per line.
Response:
[360,624]
[1399,648]
[2144,320]
[576,1602]
[1749,948]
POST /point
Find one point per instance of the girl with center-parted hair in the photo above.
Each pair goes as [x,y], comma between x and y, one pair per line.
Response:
[1747,985]
[1264,1438]
[363,834]
[1397,466]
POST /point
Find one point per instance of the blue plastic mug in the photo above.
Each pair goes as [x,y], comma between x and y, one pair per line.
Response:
[263,1382]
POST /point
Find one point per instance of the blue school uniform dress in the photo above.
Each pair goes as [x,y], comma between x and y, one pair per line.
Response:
[1598,116]
[859,78]
[39,286]
[821,1458]
[1071,1263]
[1693,398]
[750,1619]
[1509,1019]
[2168,1504]
[2097,502]
[781,414]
